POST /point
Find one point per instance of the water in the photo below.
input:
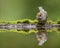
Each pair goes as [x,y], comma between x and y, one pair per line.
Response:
[11,10]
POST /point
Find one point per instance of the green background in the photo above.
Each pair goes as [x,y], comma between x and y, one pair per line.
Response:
[11,10]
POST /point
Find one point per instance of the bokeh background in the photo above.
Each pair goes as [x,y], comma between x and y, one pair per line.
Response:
[11,10]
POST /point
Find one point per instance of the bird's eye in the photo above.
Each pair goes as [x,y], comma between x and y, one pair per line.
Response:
[39,14]
[40,37]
